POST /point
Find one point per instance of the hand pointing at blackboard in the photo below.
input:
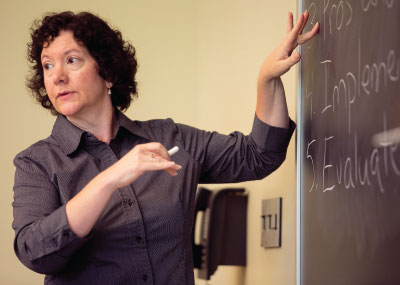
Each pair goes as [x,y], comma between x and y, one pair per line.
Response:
[271,102]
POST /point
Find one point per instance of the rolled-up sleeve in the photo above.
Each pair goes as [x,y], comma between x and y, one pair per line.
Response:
[271,139]
[237,157]
[43,241]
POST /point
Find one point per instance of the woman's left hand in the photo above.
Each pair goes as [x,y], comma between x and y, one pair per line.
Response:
[283,57]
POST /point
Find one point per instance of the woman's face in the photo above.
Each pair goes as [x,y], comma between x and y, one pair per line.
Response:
[71,78]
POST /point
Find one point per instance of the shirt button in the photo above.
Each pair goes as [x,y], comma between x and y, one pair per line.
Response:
[145,277]
[130,202]
[53,242]
[138,239]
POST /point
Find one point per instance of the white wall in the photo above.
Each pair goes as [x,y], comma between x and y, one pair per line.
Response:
[234,37]
[199,62]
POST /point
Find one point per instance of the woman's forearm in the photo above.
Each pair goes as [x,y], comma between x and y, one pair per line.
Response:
[271,105]
[86,207]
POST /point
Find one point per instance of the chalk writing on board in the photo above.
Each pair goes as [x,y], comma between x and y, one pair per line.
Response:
[368,4]
[336,16]
[349,144]
[309,82]
[368,79]
[312,164]
[373,75]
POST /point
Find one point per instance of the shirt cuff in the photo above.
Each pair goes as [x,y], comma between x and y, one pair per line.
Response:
[58,236]
[269,138]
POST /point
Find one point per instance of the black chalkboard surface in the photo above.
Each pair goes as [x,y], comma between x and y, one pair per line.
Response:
[348,144]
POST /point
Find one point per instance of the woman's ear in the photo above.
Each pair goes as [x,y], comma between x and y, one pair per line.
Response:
[109,84]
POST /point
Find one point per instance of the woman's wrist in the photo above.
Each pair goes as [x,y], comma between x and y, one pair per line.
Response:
[109,182]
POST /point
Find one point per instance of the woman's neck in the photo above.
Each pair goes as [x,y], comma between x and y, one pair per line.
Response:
[103,126]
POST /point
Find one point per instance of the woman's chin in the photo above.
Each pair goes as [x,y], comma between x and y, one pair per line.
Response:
[68,111]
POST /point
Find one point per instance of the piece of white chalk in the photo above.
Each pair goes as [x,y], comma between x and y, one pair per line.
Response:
[173,150]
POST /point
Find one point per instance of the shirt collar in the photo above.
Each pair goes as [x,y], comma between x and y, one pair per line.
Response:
[69,136]
[132,126]
[66,134]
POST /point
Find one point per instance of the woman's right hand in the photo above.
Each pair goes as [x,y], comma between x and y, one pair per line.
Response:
[139,160]
[85,208]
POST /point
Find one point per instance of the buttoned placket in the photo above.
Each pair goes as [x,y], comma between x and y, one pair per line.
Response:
[135,225]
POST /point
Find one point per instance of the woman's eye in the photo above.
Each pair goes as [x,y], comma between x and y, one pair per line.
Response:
[47,66]
[73,60]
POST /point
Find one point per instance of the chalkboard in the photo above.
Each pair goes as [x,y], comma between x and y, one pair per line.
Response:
[348,144]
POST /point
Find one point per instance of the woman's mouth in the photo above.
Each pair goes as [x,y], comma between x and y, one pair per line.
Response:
[64,94]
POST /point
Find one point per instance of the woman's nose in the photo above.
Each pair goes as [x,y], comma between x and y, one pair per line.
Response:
[60,75]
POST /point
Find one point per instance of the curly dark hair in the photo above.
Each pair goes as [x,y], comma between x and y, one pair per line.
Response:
[115,57]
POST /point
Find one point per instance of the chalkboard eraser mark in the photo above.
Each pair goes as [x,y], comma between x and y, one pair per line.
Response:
[386,138]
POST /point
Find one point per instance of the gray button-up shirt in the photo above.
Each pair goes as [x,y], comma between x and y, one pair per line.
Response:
[144,234]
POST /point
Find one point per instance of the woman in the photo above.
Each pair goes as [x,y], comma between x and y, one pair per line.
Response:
[90,206]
